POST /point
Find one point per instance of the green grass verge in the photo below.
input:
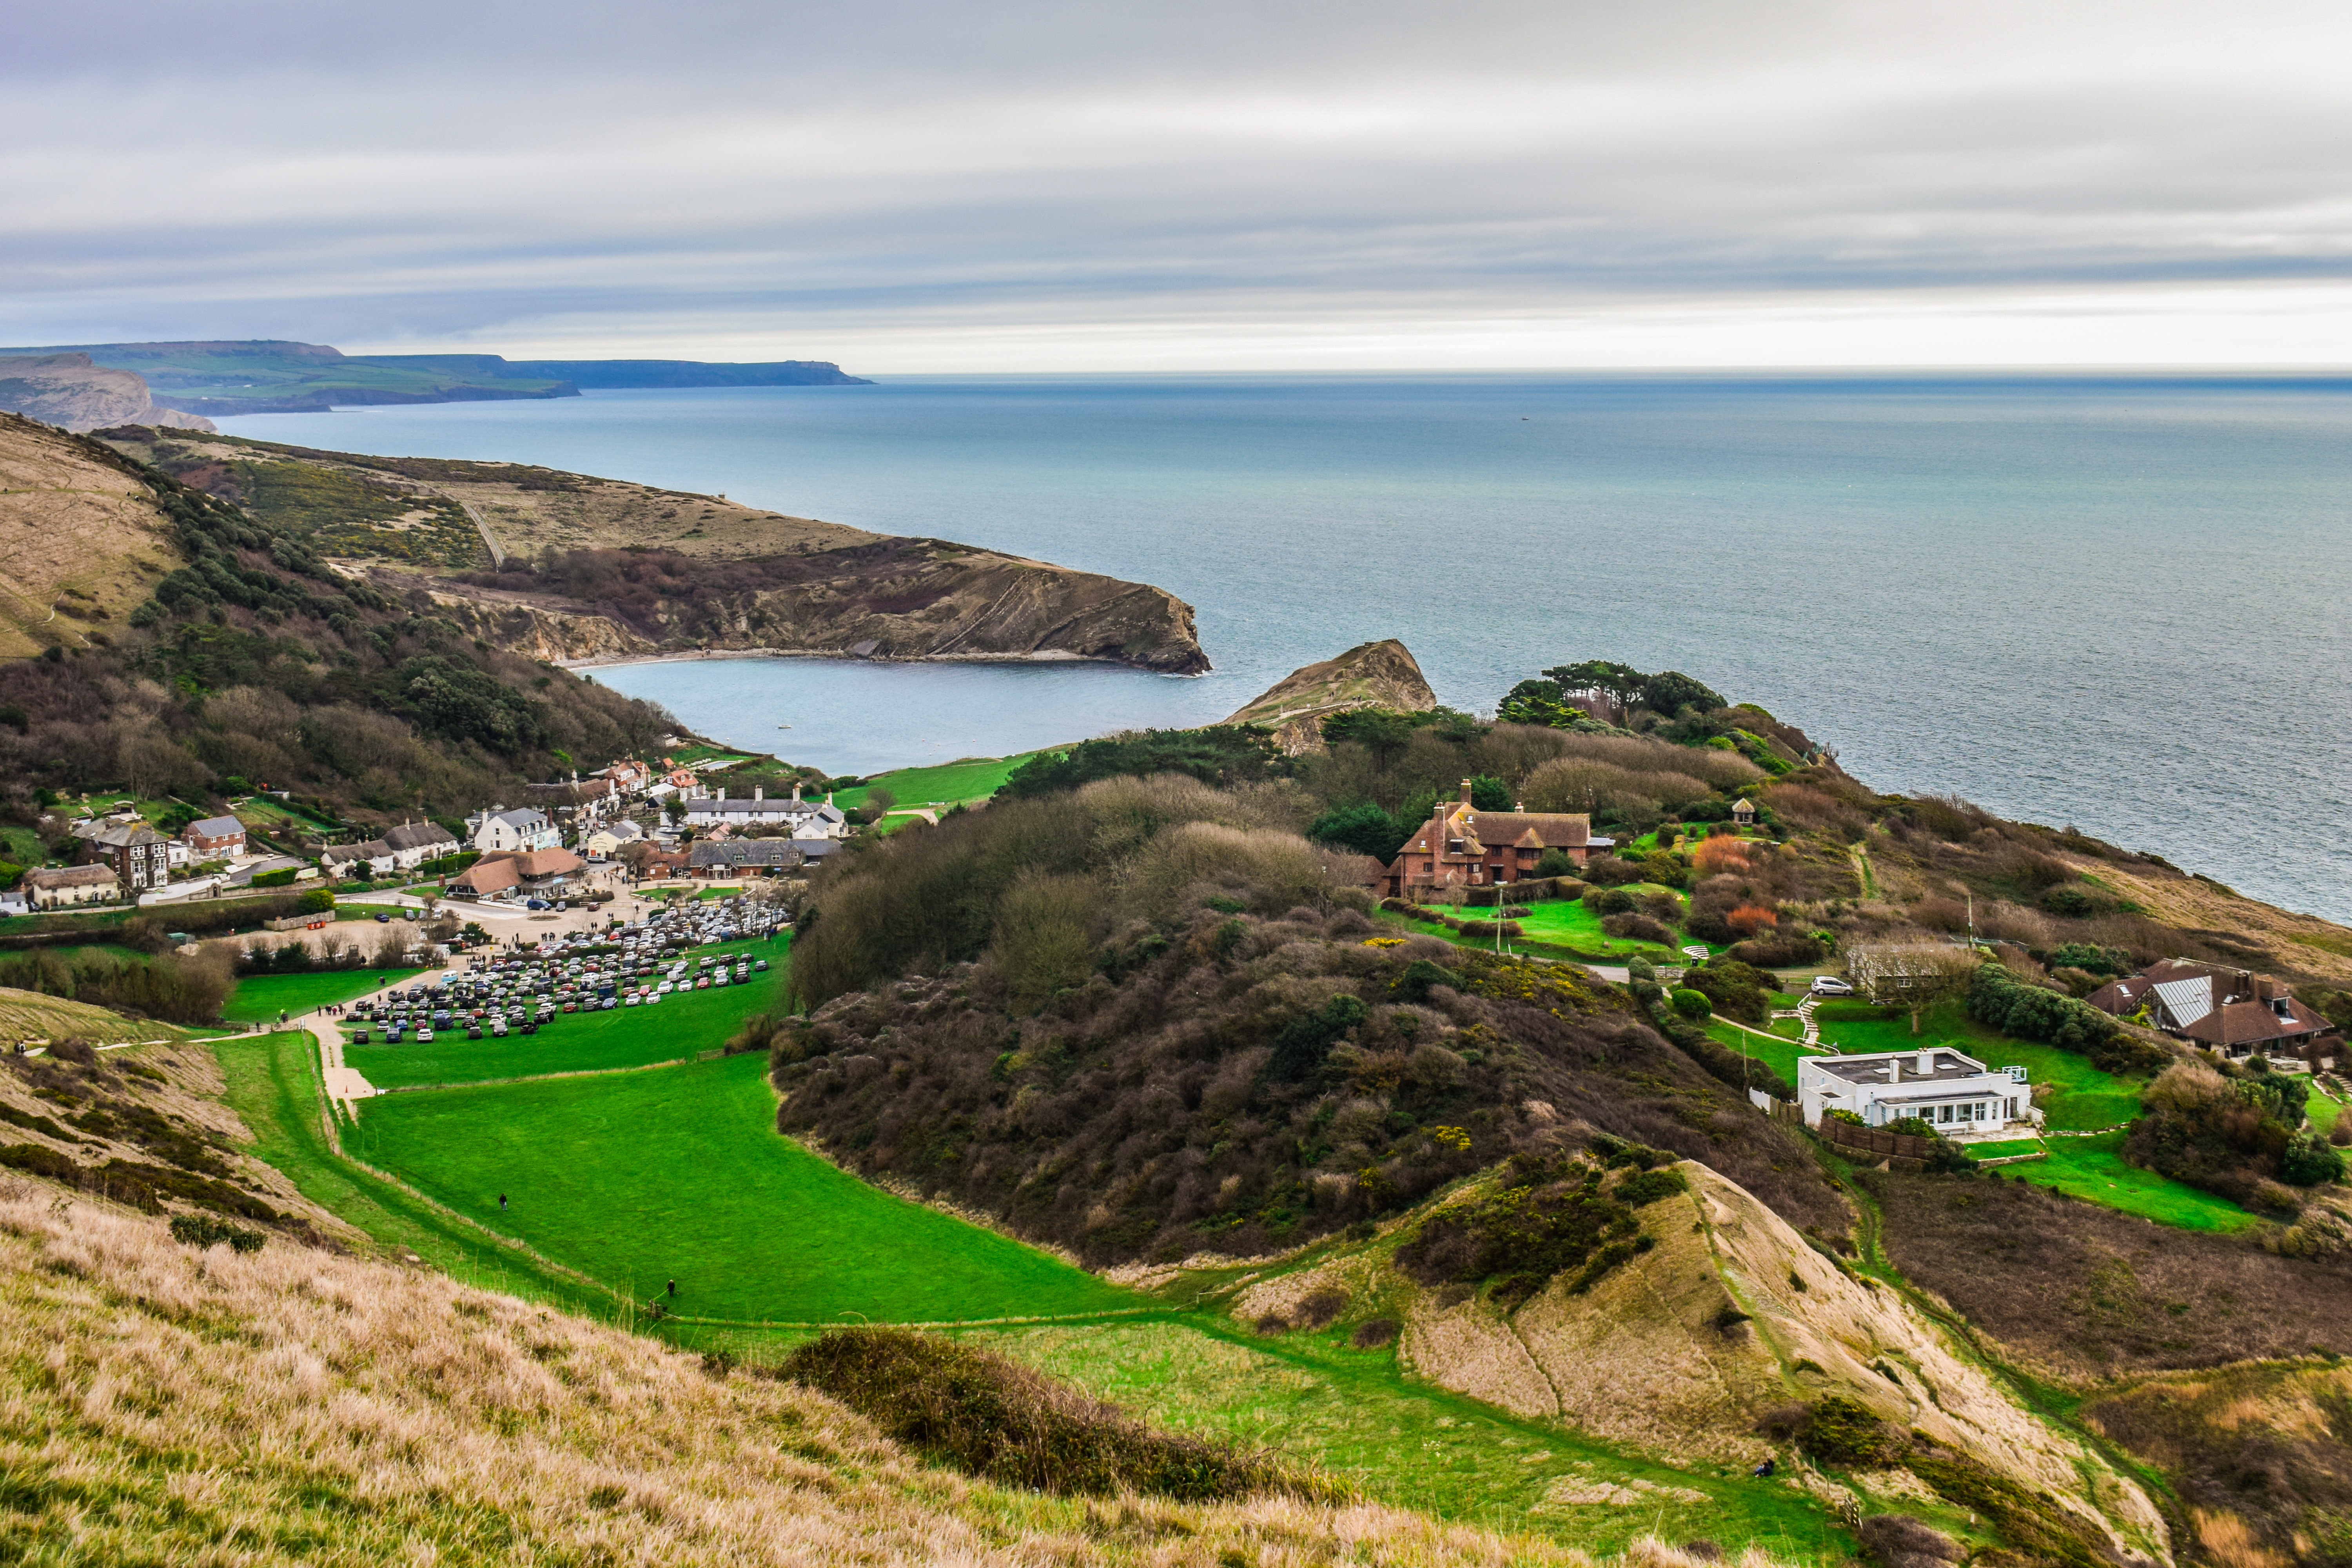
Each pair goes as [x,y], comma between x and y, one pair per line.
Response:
[1353,1414]
[272,1083]
[969,778]
[2094,1168]
[2322,1112]
[61,922]
[678,1173]
[680,1025]
[2006,1147]
[1779,1054]
[261,997]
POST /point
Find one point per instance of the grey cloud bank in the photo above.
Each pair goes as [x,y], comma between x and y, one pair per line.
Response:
[919,187]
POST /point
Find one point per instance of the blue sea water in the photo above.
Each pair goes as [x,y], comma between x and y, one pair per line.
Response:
[2114,601]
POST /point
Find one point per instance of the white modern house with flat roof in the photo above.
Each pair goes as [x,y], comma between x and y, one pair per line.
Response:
[1961,1096]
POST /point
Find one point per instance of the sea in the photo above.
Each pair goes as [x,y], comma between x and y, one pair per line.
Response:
[2115,602]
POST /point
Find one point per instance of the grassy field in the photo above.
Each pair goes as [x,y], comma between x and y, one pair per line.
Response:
[1352,1413]
[678,1028]
[261,998]
[273,1085]
[2094,1168]
[94,923]
[1571,923]
[641,1177]
[971,778]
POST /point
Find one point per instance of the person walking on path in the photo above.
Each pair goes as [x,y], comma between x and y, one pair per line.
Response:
[502,1202]
[673,1290]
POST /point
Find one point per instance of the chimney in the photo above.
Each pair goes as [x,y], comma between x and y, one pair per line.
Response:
[1465,792]
[759,792]
[722,792]
[1926,1064]
[796,789]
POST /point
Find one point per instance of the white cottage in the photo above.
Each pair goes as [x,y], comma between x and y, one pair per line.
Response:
[1959,1094]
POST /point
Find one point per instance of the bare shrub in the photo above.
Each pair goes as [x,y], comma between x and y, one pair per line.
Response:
[1001,1421]
[1319,1309]
[1374,1333]
[1898,1541]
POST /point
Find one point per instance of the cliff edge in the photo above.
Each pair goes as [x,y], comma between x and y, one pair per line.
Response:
[68,391]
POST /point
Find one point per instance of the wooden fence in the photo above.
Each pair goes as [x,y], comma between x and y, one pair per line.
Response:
[1876,1140]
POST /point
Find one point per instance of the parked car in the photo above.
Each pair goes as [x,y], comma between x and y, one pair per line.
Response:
[359,1036]
[474,1031]
[534,903]
[1829,985]
[383,919]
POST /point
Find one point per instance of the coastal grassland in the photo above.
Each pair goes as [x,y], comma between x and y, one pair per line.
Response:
[261,997]
[966,779]
[93,924]
[293,1406]
[2093,1169]
[36,1015]
[681,1025]
[271,1082]
[678,1173]
[1356,1415]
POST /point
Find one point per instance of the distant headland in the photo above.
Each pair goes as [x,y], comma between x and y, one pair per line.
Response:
[219,379]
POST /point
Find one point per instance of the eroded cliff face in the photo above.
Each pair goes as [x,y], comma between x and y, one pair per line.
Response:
[895,599]
[1371,675]
[68,391]
[582,569]
[1687,1349]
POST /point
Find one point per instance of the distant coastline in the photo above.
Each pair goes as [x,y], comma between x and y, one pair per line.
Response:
[843,656]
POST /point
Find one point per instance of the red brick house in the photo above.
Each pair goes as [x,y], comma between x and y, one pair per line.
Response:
[214,839]
[1464,847]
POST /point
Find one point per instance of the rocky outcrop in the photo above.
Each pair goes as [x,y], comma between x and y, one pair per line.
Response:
[1372,675]
[68,391]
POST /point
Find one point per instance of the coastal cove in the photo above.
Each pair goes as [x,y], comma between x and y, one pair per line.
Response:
[2058,596]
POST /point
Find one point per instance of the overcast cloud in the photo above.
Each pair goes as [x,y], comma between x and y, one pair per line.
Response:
[919,186]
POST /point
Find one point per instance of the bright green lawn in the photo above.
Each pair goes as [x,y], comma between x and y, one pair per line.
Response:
[970,778]
[2005,1149]
[678,1026]
[2094,1168]
[1571,923]
[680,1173]
[260,999]
[273,1085]
[1780,1055]
[2322,1112]
[2089,1098]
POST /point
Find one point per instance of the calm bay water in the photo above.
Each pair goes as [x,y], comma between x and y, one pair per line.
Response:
[2115,603]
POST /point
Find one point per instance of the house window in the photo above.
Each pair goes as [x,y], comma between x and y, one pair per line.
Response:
[1943,1113]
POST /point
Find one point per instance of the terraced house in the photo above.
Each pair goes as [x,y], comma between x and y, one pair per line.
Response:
[1462,846]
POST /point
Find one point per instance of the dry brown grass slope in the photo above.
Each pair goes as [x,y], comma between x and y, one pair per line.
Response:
[81,541]
[165,1406]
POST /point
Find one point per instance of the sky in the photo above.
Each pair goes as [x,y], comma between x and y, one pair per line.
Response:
[916,185]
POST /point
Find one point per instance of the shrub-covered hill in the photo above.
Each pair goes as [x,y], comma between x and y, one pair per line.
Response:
[250,661]
[1139,1021]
